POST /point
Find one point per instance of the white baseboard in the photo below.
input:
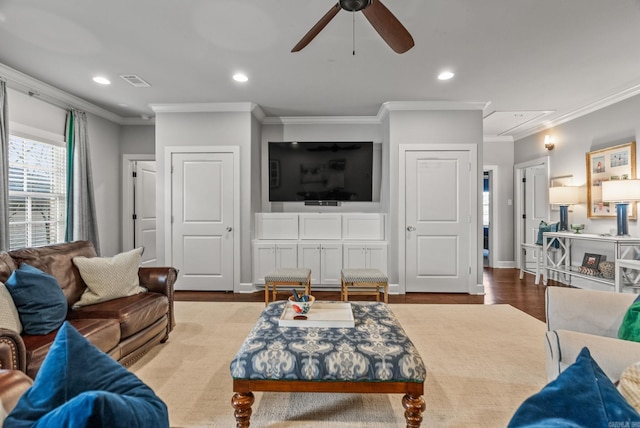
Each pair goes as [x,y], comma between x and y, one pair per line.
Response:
[506,264]
[246,287]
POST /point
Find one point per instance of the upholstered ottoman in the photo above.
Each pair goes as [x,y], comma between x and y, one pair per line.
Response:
[374,356]
[286,276]
[368,281]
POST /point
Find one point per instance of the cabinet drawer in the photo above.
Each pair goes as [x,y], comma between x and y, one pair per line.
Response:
[320,226]
[363,226]
[276,226]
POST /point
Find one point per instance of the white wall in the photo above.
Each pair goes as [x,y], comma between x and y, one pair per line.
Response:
[610,126]
[431,127]
[104,149]
[46,119]
[207,129]
[500,153]
[32,112]
[138,139]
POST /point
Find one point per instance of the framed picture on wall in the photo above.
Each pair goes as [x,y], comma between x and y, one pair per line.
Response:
[613,163]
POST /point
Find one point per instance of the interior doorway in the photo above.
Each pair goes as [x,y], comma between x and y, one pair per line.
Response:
[139,206]
[490,250]
[531,198]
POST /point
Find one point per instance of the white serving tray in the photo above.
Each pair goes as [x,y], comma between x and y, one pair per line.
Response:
[321,314]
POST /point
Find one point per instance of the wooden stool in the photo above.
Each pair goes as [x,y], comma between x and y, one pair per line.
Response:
[286,276]
[371,279]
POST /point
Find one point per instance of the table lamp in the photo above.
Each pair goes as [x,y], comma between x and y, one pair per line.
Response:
[564,196]
[621,192]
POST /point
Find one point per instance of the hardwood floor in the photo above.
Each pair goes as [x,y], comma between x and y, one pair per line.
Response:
[501,286]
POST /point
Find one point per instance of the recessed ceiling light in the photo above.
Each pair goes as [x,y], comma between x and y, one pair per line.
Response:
[102,80]
[240,77]
[445,75]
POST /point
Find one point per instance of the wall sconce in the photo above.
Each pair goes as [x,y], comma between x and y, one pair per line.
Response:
[622,192]
[548,142]
[564,196]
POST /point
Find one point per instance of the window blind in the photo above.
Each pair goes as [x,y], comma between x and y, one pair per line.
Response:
[37,192]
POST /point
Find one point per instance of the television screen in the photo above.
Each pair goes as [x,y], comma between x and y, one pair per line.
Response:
[320,171]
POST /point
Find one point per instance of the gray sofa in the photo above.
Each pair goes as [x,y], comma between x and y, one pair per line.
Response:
[577,318]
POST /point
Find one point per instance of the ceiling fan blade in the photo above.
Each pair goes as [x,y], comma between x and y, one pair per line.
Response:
[317,28]
[388,26]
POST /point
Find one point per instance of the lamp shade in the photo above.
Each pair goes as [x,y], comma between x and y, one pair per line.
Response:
[621,190]
[564,195]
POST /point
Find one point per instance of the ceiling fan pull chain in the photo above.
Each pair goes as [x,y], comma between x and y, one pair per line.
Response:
[353,21]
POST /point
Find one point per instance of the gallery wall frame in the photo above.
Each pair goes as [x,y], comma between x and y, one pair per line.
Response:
[612,163]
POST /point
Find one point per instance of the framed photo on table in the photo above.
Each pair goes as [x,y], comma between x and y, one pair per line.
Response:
[612,163]
[591,260]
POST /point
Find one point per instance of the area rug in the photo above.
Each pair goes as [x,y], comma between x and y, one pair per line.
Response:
[482,362]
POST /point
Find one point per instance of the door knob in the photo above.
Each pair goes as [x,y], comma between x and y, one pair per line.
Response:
[229,229]
[411,228]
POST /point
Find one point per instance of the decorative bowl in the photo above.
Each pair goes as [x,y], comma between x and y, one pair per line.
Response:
[577,227]
[302,307]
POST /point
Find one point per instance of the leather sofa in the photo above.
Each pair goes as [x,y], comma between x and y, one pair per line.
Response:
[125,328]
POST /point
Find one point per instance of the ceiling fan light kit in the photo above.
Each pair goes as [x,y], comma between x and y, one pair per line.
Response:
[380,18]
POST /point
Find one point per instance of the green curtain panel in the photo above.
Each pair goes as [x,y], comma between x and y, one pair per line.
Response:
[81,211]
[4,168]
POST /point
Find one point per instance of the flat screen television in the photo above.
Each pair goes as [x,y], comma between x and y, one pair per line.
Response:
[321,171]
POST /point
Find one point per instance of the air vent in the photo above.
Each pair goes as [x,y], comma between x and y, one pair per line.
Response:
[135,81]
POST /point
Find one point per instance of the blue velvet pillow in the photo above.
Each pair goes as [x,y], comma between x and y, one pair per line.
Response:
[40,302]
[544,227]
[581,396]
[80,386]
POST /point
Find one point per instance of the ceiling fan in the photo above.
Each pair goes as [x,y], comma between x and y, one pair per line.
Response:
[382,20]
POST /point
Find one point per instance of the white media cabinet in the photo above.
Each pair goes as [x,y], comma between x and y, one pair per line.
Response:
[322,242]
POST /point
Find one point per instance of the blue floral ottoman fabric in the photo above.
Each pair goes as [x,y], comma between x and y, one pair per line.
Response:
[376,349]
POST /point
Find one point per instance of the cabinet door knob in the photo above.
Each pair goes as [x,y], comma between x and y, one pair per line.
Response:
[229,229]
[411,228]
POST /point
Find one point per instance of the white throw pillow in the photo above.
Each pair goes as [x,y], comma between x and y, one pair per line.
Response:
[109,278]
[9,317]
[629,385]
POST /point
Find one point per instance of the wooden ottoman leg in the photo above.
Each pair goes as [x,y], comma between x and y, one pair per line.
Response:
[307,287]
[377,292]
[386,292]
[275,293]
[414,406]
[266,293]
[241,402]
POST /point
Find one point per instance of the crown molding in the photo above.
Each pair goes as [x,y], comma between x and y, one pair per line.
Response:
[497,139]
[204,107]
[321,120]
[582,111]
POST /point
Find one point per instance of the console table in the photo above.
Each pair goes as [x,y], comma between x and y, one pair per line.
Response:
[625,249]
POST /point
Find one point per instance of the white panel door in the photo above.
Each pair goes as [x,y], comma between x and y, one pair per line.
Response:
[536,206]
[437,220]
[203,217]
[145,210]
